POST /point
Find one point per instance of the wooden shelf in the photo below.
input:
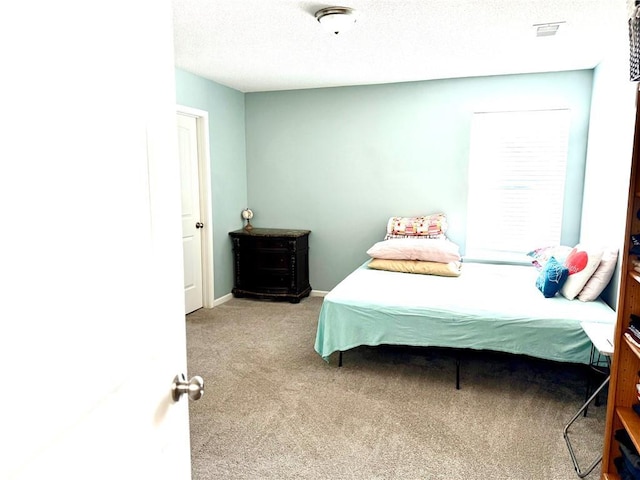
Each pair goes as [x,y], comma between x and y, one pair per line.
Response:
[632,347]
[635,275]
[631,422]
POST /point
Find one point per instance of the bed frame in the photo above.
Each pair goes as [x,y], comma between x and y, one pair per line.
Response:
[488,307]
[458,361]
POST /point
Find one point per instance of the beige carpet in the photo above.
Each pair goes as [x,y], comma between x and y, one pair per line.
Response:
[273,409]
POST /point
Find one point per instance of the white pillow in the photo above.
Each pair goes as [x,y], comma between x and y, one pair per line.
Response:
[428,249]
[581,262]
[601,277]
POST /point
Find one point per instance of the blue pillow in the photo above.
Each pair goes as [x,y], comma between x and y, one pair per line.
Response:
[552,277]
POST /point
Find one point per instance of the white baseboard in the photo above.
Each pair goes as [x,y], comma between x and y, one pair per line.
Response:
[318,293]
[223,299]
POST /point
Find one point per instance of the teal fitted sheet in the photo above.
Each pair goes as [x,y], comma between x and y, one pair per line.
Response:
[488,307]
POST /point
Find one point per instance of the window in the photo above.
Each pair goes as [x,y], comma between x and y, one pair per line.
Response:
[517,169]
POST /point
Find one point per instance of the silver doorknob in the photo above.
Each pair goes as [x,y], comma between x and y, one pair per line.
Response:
[180,386]
[199,225]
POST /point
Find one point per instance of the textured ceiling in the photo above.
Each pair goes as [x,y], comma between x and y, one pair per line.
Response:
[264,45]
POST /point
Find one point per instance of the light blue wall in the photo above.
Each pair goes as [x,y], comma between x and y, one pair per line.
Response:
[228,163]
[609,155]
[341,161]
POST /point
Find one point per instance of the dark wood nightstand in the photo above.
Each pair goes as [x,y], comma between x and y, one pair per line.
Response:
[271,263]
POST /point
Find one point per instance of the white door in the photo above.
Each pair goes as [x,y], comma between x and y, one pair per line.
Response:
[192,225]
[92,311]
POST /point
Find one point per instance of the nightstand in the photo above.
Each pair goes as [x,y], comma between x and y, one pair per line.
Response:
[271,263]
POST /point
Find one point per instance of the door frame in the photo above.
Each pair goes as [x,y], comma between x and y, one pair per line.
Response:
[204,182]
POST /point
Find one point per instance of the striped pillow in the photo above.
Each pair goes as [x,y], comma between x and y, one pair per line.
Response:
[428,226]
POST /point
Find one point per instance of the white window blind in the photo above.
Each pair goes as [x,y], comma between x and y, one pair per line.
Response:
[517,170]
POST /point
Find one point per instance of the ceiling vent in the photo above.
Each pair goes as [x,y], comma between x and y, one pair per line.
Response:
[547,29]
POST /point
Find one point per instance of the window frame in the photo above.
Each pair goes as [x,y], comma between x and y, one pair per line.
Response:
[498,125]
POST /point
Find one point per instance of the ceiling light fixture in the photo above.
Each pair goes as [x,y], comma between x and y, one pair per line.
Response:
[547,29]
[336,19]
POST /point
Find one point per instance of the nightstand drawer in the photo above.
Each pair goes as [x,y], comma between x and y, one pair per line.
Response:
[268,259]
[268,243]
[251,277]
[269,280]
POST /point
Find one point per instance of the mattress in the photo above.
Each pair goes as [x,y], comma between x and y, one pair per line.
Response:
[488,307]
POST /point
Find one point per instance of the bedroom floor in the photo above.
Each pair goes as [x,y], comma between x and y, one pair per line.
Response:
[274,409]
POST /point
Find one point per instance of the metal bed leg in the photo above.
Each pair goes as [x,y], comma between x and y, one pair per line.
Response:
[340,359]
[595,367]
[565,433]
[588,390]
[458,370]
[590,375]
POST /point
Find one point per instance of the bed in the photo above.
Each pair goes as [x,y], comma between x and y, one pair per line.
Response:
[488,307]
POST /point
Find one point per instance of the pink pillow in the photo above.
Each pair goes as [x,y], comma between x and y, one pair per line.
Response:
[540,256]
[581,262]
[601,277]
[428,250]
